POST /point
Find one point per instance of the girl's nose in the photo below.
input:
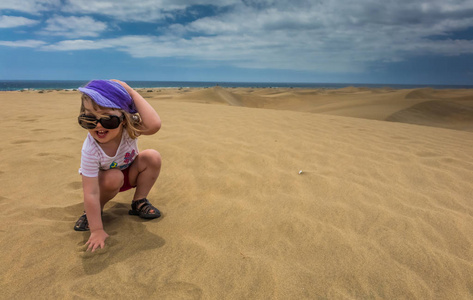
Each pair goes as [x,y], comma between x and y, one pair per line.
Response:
[99,126]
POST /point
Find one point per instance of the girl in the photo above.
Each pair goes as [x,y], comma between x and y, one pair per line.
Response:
[115,115]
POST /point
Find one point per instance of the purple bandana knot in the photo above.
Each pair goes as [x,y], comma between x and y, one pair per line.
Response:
[110,94]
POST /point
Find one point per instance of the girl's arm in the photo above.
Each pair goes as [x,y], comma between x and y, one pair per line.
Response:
[150,118]
[90,185]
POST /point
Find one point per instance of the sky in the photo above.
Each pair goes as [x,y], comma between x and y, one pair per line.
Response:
[326,41]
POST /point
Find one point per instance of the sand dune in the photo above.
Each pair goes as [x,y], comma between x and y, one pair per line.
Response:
[382,210]
[228,97]
[450,109]
[438,114]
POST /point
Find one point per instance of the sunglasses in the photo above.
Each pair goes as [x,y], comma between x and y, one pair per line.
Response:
[90,122]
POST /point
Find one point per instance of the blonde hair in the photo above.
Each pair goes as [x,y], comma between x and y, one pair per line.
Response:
[132,121]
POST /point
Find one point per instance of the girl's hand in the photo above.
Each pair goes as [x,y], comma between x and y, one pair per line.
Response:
[151,122]
[97,238]
[123,84]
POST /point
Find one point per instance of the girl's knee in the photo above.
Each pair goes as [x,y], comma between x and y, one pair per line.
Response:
[152,157]
[111,180]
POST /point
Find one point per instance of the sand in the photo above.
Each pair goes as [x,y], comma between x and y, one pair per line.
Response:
[382,209]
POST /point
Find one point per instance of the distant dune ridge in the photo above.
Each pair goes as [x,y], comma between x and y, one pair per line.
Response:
[452,109]
[381,210]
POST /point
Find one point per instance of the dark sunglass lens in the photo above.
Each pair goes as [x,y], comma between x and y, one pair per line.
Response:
[110,123]
[87,122]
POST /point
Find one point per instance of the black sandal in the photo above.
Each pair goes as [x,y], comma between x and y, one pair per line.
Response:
[82,224]
[142,208]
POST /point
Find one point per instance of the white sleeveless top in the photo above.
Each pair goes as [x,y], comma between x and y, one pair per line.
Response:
[94,159]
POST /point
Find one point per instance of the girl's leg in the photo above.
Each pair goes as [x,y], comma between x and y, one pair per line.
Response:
[110,182]
[144,171]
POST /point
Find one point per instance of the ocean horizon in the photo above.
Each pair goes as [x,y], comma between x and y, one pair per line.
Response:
[16,85]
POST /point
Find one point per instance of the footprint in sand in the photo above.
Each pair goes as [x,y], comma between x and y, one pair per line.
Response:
[54,156]
[427,154]
[76,185]
[19,142]
[179,290]
[397,137]
[28,120]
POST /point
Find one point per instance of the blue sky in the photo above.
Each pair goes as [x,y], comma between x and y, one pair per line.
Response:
[363,41]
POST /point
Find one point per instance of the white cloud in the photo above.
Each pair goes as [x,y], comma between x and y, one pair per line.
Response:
[30,6]
[126,43]
[443,47]
[332,35]
[74,27]
[11,21]
[289,34]
[76,45]
[140,11]
[24,43]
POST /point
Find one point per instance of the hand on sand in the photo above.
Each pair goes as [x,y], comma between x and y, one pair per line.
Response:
[97,238]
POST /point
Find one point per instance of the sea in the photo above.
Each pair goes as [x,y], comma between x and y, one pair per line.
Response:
[16,85]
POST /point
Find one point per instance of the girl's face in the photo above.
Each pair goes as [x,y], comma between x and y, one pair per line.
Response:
[99,133]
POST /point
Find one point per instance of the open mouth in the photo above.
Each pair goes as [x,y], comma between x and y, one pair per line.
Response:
[101,134]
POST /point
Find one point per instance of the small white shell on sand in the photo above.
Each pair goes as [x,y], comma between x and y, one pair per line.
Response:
[300,172]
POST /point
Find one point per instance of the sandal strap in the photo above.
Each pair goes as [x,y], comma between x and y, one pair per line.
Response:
[82,222]
[135,204]
[146,207]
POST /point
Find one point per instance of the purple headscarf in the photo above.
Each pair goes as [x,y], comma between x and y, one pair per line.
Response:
[109,93]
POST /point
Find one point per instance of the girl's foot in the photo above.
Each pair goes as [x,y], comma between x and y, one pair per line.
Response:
[82,224]
[144,209]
